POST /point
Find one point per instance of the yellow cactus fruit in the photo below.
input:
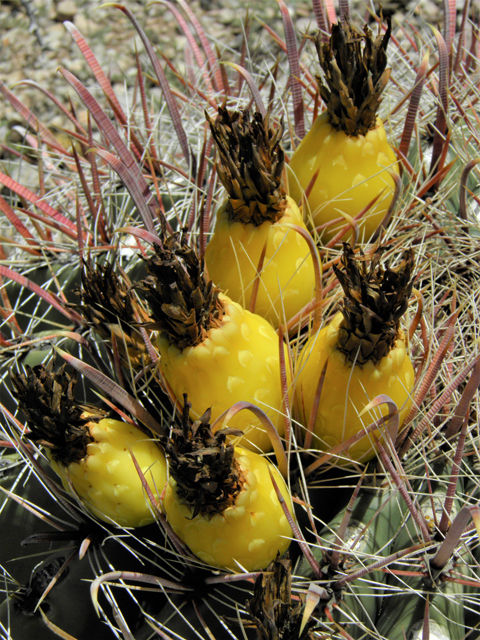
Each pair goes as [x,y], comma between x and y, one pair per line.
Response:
[210,347]
[91,453]
[347,144]
[253,228]
[222,503]
[367,356]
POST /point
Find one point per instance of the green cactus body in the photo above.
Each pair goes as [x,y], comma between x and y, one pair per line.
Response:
[403,608]
[375,520]
[403,613]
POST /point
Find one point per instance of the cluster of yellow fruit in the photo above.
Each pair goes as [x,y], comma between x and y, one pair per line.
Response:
[219,496]
[216,354]
[341,169]
[220,499]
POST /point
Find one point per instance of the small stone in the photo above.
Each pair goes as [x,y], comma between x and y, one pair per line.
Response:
[76,66]
[14,77]
[66,10]
[84,24]
[227,16]
[55,36]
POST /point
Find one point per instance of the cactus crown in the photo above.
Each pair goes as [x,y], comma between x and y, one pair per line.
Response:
[55,419]
[354,76]
[184,301]
[203,465]
[375,300]
[251,165]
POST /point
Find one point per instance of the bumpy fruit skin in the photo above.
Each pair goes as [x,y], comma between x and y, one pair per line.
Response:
[249,533]
[352,171]
[287,281]
[337,418]
[106,479]
[237,361]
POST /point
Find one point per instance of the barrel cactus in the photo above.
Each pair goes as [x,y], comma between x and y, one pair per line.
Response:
[96,278]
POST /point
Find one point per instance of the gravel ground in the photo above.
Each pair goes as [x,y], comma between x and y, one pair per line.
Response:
[34,41]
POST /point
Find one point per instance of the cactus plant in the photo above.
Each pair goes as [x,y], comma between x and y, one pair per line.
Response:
[364,541]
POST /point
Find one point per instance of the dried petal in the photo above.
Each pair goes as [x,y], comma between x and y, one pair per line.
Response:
[354,76]
[185,304]
[251,165]
[55,419]
[108,305]
[203,465]
[375,300]
[271,609]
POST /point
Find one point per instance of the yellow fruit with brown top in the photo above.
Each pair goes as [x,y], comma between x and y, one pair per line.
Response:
[222,504]
[91,454]
[367,356]
[210,347]
[352,172]
[347,144]
[254,244]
